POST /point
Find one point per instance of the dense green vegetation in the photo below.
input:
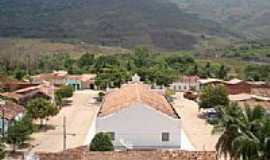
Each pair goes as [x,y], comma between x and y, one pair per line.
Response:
[244,133]
[40,108]
[155,23]
[154,68]
[258,72]
[61,93]
[213,97]
[20,131]
[101,142]
[246,17]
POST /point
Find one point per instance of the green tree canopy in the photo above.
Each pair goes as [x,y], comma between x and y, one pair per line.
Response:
[64,92]
[20,131]
[213,96]
[244,133]
[40,108]
[101,142]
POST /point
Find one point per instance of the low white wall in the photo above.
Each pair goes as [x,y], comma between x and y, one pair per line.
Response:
[141,126]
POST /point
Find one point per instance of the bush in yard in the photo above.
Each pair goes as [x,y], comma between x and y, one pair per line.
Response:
[101,142]
[63,92]
[100,96]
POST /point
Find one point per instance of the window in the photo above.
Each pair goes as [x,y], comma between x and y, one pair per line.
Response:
[112,135]
[165,137]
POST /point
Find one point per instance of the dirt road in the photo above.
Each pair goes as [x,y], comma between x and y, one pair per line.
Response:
[79,116]
[197,130]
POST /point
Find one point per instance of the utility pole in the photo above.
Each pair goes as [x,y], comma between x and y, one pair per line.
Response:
[64,134]
[2,105]
[3,121]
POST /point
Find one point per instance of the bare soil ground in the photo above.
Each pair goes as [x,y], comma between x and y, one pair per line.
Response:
[197,130]
[79,116]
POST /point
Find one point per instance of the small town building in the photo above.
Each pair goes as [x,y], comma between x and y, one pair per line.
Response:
[84,81]
[234,86]
[138,117]
[21,96]
[58,78]
[9,113]
[186,83]
[8,84]
[251,100]
[237,86]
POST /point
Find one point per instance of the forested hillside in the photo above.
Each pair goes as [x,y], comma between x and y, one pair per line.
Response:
[124,23]
[250,18]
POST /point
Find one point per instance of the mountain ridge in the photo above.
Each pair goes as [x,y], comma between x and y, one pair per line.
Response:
[153,23]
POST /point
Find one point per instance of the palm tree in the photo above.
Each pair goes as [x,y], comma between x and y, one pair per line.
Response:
[245,133]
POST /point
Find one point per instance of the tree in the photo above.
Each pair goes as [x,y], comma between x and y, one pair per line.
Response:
[213,96]
[101,142]
[100,96]
[20,131]
[40,108]
[244,133]
[222,73]
[19,74]
[86,60]
[63,92]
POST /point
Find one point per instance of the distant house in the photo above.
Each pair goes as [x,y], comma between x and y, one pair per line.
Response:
[84,81]
[186,83]
[58,78]
[251,100]
[233,86]
[11,112]
[10,84]
[21,96]
[138,117]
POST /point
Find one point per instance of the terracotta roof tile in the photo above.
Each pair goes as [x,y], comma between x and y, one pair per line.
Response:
[82,153]
[135,93]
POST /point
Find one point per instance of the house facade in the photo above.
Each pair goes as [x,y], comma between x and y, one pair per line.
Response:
[137,117]
[11,112]
[186,83]
[84,81]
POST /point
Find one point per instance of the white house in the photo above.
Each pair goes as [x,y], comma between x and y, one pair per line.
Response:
[138,117]
[11,112]
[186,83]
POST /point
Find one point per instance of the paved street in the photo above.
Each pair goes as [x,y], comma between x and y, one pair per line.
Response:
[78,115]
[196,129]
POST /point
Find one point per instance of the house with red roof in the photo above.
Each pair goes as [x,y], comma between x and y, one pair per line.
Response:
[10,112]
[138,117]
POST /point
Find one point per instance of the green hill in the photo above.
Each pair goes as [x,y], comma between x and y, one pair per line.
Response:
[158,24]
[250,18]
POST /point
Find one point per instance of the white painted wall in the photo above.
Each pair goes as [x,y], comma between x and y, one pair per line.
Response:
[141,126]
[182,86]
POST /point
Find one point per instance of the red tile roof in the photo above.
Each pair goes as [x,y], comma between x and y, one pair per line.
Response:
[135,93]
[11,110]
[82,153]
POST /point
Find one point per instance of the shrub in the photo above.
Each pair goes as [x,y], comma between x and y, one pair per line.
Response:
[101,142]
